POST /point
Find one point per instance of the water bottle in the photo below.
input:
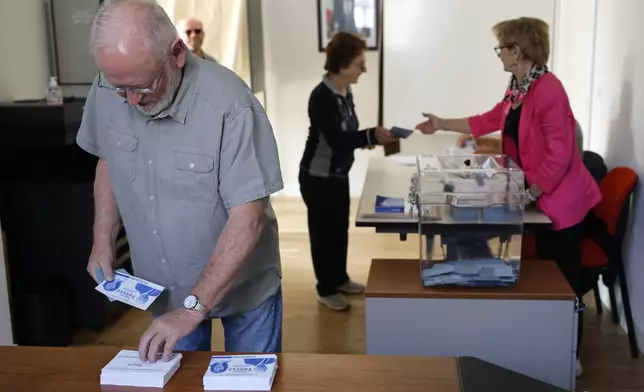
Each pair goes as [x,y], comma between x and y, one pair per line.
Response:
[54,94]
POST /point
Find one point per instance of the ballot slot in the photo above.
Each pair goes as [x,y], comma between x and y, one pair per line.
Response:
[470,211]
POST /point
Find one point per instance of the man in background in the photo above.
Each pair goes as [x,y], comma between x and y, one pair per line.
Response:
[192,34]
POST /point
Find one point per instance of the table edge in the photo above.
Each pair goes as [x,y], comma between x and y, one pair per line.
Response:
[457,293]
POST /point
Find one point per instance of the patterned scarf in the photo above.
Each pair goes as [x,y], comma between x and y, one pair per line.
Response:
[517,91]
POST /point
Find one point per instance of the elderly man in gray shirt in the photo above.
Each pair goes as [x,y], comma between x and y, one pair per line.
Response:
[188,161]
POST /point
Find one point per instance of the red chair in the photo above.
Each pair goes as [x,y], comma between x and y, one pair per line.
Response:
[602,249]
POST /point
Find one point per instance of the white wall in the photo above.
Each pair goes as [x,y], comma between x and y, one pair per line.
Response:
[24,65]
[439,58]
[293,68]
[574,56]
[617,121]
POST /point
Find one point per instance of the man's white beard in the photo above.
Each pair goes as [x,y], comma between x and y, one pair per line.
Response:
[174,80]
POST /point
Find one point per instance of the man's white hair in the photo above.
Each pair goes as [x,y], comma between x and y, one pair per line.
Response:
[119,22]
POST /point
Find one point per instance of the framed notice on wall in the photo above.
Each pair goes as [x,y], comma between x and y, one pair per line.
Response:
[361,17]
[70,23]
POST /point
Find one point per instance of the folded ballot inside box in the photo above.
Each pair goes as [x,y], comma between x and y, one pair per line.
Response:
[240,373]
[476,272]
[126,369]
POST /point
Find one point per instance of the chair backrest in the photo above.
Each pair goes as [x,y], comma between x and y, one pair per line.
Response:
[616,188]
[595,165]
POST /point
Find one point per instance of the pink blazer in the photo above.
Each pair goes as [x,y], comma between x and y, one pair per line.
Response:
[548,151]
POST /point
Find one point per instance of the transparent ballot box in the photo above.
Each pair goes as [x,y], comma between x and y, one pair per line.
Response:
[470,212]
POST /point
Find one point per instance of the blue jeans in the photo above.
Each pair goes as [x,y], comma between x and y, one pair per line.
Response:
[257,331]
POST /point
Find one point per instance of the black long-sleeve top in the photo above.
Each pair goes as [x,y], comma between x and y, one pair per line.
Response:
[333,133]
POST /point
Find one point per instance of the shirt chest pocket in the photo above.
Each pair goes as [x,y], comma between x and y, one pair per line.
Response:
[194,174]
[124,151]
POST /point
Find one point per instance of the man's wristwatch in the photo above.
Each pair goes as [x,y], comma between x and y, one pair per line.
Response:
[192,302]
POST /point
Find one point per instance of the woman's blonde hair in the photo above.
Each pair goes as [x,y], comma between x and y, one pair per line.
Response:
[531,35]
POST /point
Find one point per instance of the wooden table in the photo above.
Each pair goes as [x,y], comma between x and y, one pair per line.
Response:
[529,328]
[28,369]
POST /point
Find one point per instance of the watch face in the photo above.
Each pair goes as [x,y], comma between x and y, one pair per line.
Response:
[190,302]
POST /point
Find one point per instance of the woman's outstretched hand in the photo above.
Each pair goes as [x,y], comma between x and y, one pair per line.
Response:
[430,126]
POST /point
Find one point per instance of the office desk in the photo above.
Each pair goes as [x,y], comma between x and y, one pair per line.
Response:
[387,176]
[529,328]
[78,369]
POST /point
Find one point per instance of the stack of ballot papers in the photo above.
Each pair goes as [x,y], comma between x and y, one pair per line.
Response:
[472,272]
[390,204]
[129,289]
[240,373]
[126,369]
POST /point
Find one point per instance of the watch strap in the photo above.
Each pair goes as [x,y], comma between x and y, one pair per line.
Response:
[201,309]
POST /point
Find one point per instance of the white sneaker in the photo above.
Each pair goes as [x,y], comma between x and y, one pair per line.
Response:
[351,287]
[579,371]
[335,301]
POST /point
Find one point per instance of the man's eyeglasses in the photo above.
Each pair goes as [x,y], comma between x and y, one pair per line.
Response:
[196,31]
[102,82]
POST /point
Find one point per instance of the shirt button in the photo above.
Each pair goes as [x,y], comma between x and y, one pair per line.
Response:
[154,232]
[150,162]
[151,122]
[152,198]
[192,165]
[163,261]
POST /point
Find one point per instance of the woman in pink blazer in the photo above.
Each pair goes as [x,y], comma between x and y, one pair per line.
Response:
[538,133]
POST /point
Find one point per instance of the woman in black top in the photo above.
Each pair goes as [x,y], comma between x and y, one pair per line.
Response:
[334,134]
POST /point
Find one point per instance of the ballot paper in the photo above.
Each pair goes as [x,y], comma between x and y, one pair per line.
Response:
[470,272]
[405,160]
[390,204]
[126,369]
[469,147]
[130,290]
[100,277]
[240,373]
[401,132]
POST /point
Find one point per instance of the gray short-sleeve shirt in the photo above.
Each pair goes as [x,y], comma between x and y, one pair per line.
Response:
[176,175]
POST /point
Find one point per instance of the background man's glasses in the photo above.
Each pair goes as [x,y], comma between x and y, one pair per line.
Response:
[196,31]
